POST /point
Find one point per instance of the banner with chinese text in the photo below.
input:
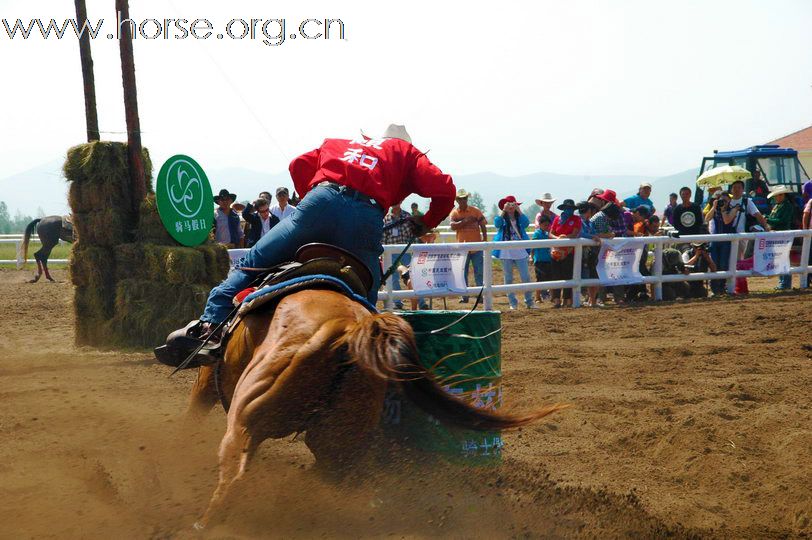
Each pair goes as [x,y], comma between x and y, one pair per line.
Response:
[619,262]
[771,254]
[434,271]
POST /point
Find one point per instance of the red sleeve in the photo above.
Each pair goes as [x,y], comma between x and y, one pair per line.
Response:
[554,226]
[303,169]
[430,182]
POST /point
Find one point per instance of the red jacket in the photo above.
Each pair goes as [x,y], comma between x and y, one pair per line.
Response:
[388,170]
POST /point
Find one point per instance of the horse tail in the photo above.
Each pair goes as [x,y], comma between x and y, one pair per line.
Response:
[384,346]
[26,237]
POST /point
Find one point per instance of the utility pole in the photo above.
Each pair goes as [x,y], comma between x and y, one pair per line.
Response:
[138,181]
[91,117]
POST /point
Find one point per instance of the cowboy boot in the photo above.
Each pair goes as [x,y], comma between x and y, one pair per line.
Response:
[182,343]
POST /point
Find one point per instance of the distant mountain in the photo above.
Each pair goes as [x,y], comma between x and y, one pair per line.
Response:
[527,188]
[663,186]
[44,186]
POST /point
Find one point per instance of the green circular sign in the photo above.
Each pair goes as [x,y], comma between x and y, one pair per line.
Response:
[184,200]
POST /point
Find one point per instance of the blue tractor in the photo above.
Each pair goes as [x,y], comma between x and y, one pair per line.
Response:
[769,164]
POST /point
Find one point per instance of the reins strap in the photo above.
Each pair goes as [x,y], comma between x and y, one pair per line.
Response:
[446,327]
[397,261]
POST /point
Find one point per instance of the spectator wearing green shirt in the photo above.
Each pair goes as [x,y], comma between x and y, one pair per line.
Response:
[780,219]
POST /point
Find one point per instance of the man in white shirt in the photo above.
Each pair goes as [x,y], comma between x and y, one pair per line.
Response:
[282,209]
[736,196]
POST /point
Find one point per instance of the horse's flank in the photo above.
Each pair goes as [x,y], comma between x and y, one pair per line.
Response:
[321,365]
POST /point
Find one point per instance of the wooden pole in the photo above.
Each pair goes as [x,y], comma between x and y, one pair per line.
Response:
[91,117]
[138,181]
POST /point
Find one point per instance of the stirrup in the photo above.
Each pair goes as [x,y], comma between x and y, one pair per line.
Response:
[182,343]
[174,355]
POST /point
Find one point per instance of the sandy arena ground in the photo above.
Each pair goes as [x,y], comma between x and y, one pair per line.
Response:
[691,419]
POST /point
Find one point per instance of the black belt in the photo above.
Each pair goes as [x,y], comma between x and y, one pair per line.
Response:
[354,193]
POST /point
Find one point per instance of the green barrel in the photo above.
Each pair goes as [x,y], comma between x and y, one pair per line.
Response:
[466,358]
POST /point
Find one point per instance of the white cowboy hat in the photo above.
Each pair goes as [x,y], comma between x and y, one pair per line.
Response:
[547,197]
[396,131]
[780,190]
[462,194]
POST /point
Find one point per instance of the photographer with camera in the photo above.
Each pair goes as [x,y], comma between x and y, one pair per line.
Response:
[698,260]
[720,218]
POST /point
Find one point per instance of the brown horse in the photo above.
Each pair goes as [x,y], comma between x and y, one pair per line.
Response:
[50,230]
[320,364]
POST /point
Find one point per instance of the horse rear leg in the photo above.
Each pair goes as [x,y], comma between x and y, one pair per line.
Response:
[340,437]
[39,269]
[44,254]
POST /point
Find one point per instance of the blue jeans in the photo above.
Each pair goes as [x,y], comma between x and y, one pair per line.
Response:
[785,281]
[406,260]
[720,253]
[324,215]
[524,274]
[474,258]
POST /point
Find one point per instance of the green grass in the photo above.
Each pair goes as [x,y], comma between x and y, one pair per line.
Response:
[9,251]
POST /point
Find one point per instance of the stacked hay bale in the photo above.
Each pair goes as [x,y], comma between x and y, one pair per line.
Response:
[134,283]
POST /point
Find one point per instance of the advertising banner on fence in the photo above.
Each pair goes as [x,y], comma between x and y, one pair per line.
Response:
[771,254]
[438,271]
[619,262]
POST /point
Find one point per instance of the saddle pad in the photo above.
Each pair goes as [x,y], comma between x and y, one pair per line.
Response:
[264,295]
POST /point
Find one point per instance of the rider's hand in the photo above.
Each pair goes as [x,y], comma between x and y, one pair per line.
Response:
[419,227]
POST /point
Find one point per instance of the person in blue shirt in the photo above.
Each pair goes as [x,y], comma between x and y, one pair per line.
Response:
[542,260]
[641,199]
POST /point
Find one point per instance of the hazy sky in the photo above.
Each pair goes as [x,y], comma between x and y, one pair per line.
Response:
[577,87]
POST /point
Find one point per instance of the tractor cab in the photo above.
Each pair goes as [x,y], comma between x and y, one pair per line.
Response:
[770,166]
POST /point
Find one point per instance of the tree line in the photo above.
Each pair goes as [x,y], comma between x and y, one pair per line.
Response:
[16,224]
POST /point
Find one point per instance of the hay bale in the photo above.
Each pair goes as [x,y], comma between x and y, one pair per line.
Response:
[184,265]
[86,197]
[93,308]
[217,262]
[178,265]
[91,266]
[105,226]
[130,261]
[99,176]
[93,303]
[150,228]
[93,332]
[146,311]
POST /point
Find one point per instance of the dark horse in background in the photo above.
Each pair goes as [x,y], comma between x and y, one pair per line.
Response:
[50,230]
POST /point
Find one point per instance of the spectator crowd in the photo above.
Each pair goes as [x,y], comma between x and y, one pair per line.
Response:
[602,215]
[599,216]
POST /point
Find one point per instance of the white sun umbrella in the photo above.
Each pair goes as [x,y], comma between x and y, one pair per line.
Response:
[722,175]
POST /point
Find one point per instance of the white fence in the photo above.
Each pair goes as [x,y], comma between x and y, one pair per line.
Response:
[17,240]
[656,277]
